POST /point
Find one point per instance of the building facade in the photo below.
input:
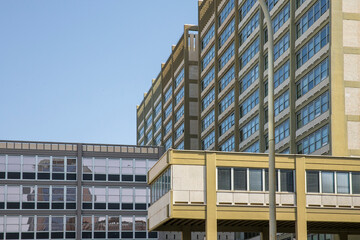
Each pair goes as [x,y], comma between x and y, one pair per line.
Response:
[52,190]
[168,115]
[317,91]
[216,191]
[317,94]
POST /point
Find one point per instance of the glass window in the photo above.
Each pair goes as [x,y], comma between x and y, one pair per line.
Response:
[208,78]
[208,36]
[179,95]
[249,103]
[28,164]
[249,128]
[240,179]
[208,57]
[249,53]
[168,94]
[249,28]
[254,148]
[245,8]
[281,46]
[281,17]
[327,182]
[249,78]
[226,56]
[209,119]
[255,179]
[225,80]
[226,11]
[168,143]
[228,145]
[27,226]
[287,180]
[224,178]
[57,224]
[208,141]
[127,166]
[179,114]
[226,124]
[312,181]
[226,33]
[42,224]
[179,78]
[126,223]
[342,181]
[140,224]
[355,182]
[209,98]
[226,101]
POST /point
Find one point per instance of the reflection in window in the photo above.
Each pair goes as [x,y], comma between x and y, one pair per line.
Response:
[255,180]
[342,180]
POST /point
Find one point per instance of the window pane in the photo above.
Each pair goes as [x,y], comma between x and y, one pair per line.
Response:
[255,179]
[312,181]
[240,182]
[327,182]
[342,180]
[224,179]
[287,180]
[356,183]
[127,223]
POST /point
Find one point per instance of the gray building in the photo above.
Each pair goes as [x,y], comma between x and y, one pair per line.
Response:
[54,190]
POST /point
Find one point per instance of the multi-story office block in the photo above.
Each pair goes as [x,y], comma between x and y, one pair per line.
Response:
[317,94]
[54,190]
[168,115]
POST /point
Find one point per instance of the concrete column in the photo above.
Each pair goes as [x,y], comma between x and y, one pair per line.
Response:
[343,236]
[211,217]
[301,226]
[264,234]
[186,234]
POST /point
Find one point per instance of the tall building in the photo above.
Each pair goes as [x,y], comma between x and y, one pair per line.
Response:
[317,91]
[53,190]
[168,115]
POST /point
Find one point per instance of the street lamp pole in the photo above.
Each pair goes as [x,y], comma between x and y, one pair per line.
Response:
[272,197]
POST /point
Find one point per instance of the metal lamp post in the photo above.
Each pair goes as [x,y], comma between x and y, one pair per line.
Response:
[272,199]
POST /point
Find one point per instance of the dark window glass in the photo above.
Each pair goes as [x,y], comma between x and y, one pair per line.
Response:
[140,206]
[312,181]
[87,206]
[27,235]
[13,205]
[2,206]
[100,206]
[126,206]
[43,205]
[100,177]
[113,235]
[240,180]
[57,235]
[43,175]
[58,176]
[153,234]
[86,235]
[27,175]
[70,205]
[57,205]
[2,175]
[13,175]
[114,177]
[28,205]
[140,178]
[224,179]
[287,180]
[356,183]
[127,178]
[71,176]
[140,234]
[70,235]
[87,176]
[42,235]
[99,234]
[113,205]
[12,235]
[126,234]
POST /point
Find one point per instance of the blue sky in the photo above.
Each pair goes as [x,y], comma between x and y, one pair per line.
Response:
[74,71]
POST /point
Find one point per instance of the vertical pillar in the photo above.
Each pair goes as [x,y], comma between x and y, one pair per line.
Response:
[301,226]
[264,234]
[343,236]
[79,190]
[211,217]
[186,234]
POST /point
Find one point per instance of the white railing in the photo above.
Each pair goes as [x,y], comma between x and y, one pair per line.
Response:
[254,198]
[333,200]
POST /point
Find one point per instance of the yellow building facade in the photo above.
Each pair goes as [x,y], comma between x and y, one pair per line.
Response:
[217,192]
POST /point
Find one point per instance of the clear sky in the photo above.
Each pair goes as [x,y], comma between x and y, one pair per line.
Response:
[74,71]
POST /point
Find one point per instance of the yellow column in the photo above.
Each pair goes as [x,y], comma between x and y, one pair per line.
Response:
[211,218]
[186,234]
[301,227]
[265,234]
